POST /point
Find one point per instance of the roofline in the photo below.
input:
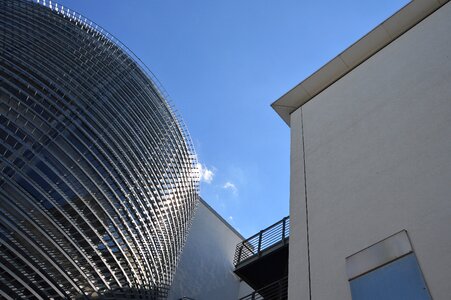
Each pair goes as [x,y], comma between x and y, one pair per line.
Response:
[221,218]
[385,33]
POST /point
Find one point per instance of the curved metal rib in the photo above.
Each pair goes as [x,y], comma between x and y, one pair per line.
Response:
[98,175]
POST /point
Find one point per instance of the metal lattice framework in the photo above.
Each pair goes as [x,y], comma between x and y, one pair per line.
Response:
[98,178]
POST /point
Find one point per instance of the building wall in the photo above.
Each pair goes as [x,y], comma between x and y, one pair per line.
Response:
[205,270]
[376,161]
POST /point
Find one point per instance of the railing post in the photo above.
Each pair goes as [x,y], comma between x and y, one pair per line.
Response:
[283,230]
[260,242]
[239,254]
[279,287]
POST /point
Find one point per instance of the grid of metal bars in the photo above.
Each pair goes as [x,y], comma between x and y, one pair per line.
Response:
[265,239]
[98,178]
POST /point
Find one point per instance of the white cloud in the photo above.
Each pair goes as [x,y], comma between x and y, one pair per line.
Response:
[230,186]
[205,174]
[230,218]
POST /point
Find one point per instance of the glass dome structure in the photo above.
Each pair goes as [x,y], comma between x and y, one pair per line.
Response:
[98,178]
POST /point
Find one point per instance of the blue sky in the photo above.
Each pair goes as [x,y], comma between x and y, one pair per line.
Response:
[223,63]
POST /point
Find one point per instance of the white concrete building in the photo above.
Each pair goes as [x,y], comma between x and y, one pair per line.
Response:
[370,199]
[205,270]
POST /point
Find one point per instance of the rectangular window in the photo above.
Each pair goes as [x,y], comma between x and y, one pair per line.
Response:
[387,270]
[399,279]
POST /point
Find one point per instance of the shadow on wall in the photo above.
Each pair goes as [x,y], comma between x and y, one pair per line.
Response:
[206,266]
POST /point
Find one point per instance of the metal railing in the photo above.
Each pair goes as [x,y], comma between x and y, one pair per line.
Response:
[277,290]
[266,238]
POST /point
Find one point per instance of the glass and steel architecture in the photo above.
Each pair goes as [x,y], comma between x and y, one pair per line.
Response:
[98,178]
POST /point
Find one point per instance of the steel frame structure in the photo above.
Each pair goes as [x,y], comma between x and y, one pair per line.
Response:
[98,176]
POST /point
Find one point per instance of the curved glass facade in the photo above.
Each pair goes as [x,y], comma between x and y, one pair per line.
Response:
[98,181]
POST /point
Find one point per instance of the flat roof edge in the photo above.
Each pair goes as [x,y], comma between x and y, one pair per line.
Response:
[227,224]
[382,35]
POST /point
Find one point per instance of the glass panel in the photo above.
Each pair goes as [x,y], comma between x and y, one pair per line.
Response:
[400,279]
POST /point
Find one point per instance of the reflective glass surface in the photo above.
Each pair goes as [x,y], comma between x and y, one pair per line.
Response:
[399,280]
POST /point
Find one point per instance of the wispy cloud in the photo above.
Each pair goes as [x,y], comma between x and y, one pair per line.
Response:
[230,186]
[205,174]
[230,219]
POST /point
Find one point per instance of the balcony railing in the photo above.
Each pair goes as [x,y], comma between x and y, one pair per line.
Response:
[265,239]
[277,290]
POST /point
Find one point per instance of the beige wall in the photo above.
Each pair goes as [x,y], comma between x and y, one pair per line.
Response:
[205,270]
[377,160]
[298,268]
